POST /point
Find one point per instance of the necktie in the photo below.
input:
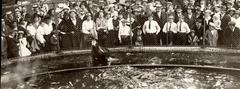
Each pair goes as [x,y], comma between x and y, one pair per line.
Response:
[180,26]
[170,27]
[149,25]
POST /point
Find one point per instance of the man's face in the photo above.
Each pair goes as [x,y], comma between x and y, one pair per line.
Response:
[10,17]
[18,14]
[37,19]
[72,14]
[236,15]
[181,19]
[217,9]
[89,18]
[231,26]
[150,18]
[189,10]
[198,24]
[170,20]
[159,9]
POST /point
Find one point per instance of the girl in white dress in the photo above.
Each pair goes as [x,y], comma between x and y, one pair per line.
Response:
[23,50]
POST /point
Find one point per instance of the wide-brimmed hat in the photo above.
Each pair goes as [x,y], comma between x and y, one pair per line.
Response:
[158,6]
[208,11]
[171,17]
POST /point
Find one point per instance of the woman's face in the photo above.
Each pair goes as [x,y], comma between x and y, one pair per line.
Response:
[189,11]
[89,18]
[101,14]
[36,19]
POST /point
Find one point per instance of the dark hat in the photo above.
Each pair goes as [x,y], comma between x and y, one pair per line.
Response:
[178,8]
[35,15]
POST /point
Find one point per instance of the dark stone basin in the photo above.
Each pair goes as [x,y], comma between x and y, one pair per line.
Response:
[56,70]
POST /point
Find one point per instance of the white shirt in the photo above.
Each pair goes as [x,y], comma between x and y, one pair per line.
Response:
[74,21]
[167,28]
[237,21]
[87,26]
[154,27]
[47,28]
[183,27]
[124,31]
[110,24]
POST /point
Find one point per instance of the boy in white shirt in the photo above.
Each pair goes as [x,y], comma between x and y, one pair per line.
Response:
[170,28]
[182,29]
[150,31]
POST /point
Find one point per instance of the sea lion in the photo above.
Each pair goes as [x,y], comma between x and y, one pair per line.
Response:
[101,55]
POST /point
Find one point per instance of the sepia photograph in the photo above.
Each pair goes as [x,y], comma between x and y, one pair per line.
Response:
[120,44]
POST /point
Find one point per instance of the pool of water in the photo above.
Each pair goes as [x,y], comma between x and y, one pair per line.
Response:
[13,76]
[126,77]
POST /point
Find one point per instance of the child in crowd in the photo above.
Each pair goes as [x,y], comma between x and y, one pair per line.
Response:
[193,39]
[55,41]
[212,35]
[23,50]
[139,41]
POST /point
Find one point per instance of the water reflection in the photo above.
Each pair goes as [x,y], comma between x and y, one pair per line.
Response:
[136,78]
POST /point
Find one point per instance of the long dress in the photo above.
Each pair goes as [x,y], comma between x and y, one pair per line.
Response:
[66,42]
[23,50]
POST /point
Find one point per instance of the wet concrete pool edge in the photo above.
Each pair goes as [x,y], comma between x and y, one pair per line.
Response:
[125,49]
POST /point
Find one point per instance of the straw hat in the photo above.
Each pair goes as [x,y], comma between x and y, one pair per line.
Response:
[9,12]
[208,11]
[159,6]
[171,17]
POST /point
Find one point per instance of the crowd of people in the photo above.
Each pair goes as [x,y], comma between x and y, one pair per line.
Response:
[70,26]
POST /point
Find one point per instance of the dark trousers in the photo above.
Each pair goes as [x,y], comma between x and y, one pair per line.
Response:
[181,39]
[220,37]
[47,47]
[169,38]
[102,37]
[125,40]
[112,38]
[150,39]
[86,41]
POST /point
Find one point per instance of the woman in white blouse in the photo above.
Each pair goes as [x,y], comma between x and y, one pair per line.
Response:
[36,31]
[89,31]
[124,33]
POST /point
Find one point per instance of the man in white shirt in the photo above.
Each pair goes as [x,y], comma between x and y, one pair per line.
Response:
[150,31]
[182,29]
[170,28]
[89,31]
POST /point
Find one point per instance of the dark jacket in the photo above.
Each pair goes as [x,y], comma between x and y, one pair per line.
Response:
[232,37]
[161,20]
[190,21]
[13,48]
[224,21]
